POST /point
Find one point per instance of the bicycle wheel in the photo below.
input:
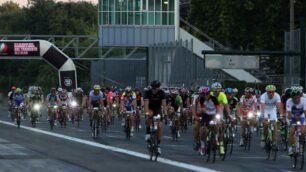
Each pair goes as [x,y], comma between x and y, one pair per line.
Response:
[231,143]
[128,129]
[249,141]
[294,160]
[302,154]
[268,149]
[18,120]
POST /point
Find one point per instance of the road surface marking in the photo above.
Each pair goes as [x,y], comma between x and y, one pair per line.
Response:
[116,149]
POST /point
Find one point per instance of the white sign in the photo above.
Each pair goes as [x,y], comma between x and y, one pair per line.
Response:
[231,62]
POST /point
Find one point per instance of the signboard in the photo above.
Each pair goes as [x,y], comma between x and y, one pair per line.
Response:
[68,80]
[20,48]
[231,62]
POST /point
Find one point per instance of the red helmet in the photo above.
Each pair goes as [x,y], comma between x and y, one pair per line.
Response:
[13,88]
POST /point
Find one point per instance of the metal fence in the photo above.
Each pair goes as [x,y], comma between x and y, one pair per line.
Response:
[174,64]
[292,64]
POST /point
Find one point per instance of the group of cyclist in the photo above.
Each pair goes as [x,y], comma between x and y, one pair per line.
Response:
[205,106]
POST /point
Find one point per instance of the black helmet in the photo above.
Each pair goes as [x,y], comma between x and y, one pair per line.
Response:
[155,84]
[288,92]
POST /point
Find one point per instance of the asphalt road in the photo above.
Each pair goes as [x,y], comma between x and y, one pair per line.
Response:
[73,149]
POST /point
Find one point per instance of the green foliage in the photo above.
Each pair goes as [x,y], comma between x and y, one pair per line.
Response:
[49,18]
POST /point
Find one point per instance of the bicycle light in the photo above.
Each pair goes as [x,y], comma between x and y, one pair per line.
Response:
[250,115]
[218,116]
[74,104]
[36,106]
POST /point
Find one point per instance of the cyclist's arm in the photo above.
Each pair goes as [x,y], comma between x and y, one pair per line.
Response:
[146,106]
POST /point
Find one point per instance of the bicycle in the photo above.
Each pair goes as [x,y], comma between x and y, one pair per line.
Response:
[229,135]
[35,111]
[153,145]
[299,148]
[174,125]
[247,136]
[62,117]
[127,124]
[104,120]
[284,133]
[270,146]
[53,116]
[211,139]
[95,122]
[137,118]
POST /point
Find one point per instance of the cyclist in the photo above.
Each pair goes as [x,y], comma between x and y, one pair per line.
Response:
[139,102]
[128,104]
[10,98]
[35,99]
[247,105]
[175,103]
[80,99]
[185,109]
[18,100]
[154,102]
[52,100]
[96,99]
[296,110]
[270,102]
[222,99]
[205,107]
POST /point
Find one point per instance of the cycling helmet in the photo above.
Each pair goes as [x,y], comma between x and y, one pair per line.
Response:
[59,89]
[257,91]
[204,90]
[79,90]
[301,88]
[184,91]
[155,84]
[296,91]
[248,90]
[235,90]
[174,91]
[288,92]
[229,90]
[216,85]
[18,90]
[13,88]
[270,88]
[96,87]
[128,89]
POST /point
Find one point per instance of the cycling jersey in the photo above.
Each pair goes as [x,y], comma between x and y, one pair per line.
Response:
[133,94]
[63,99]
[297,110]
[155,100]
[95,98]
[18,99]
[52,99]
[176,102]
[36,99]
[211,105]
[185,100]
[270,105]
[247,104]
[222,99]
[138,99]
[128,102]
[233,102]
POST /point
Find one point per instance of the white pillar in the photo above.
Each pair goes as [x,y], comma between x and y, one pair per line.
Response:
[177,19]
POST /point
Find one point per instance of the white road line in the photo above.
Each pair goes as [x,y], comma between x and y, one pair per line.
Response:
[116,149]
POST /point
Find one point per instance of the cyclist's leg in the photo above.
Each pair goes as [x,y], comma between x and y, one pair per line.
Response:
[242,129]
[275,133]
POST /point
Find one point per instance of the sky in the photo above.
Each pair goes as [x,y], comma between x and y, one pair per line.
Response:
[24,2]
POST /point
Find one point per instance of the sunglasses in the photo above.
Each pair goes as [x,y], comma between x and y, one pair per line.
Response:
[270,92]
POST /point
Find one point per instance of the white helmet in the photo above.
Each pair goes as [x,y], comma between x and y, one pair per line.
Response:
[79,90]
[59,89]
[216,85]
